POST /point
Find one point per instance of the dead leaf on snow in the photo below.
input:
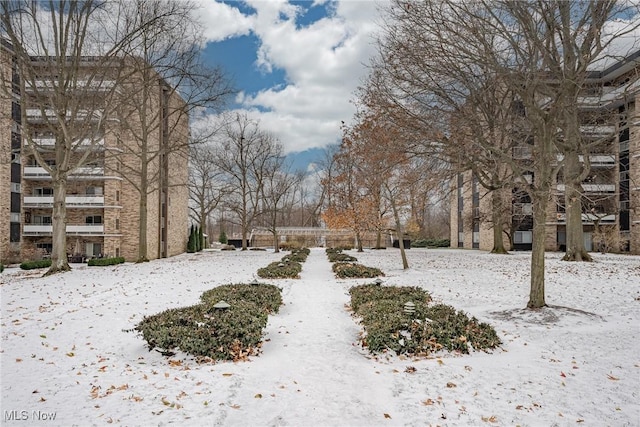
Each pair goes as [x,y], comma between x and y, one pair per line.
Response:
[428,402]
[387,416]
[451,385]
[612,378]
[258,396]
[491,419]
[235,406]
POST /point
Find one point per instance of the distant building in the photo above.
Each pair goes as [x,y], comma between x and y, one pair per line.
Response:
[611,192]
[103,216]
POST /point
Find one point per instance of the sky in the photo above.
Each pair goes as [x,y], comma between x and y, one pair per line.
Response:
[296,64]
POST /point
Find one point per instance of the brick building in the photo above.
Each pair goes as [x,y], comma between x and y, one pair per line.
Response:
[611,191]
[103,197]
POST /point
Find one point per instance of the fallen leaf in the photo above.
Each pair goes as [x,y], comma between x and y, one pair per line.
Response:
[428,402]
[235,406]
[451,385]
[18,360]
[387,416]
[226,375]
[258,396]
[562,374]
[612,378]
[491,419]
[71,354]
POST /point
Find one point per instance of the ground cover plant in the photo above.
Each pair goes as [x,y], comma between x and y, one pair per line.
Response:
[289,267]
[426,328]
[211,333]
[103,262]
[351,270]
[31,265]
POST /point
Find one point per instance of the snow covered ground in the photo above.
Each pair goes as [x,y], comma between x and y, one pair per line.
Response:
[65,359]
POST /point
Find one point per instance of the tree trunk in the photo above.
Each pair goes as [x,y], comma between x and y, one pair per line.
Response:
[399,234]
[142,230]
[496,218]
[378,239]
[536,293]
[359,241]
[573,207]
[59,262]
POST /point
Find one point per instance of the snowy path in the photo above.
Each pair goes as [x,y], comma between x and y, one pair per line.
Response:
[327,376]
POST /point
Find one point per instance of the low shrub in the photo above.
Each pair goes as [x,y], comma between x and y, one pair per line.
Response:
[204,331]
[431,243]
[430,328]
[228,248]
[30,265]
[219,334]
[340,257]
[347,270]
[266,297]
[101,262]
[288,246]
[297,255]
[366,293]
[281,270]
[1,268]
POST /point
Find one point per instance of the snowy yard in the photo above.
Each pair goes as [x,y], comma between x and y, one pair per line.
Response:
[65,358]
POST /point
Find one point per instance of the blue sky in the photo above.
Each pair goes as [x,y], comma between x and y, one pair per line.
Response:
[295,63]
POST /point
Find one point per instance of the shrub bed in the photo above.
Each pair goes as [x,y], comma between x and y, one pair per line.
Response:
[340,257]
[266,297]
[430,328]
[101,262]
[281,270]
[347,270]
[30,265]
[1,268]
[210,333]
[431,243]
[297,255]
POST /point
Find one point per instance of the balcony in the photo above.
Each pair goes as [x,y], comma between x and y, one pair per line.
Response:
[87,201]
[590,218]
[51,142]
[73,229]
[592,188]
[94,85]
[598,131]
[35,115]
[39,173]
[597,160]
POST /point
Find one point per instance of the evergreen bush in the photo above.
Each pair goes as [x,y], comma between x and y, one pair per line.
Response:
[101,262]
[348,270]
[223,238]
[30,265]
[430,328]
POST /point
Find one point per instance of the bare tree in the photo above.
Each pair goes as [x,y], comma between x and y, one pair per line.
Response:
[168,82]
[461,57]
[67,87]
[207,188]
[278,193]
[245,155]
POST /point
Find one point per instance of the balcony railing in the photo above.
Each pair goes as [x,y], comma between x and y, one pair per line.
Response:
[36,172]
[592,188]
[97,85]
[36,115]
[590,218]
[597,160]
[71,201]
[75,229]
[51,142]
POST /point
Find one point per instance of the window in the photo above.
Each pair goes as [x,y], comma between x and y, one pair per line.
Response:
[43,191]
[117,195]
[117,252]
[94,191]
[522,237]
[42,220]
[45,247]
[117,223]
[93,219]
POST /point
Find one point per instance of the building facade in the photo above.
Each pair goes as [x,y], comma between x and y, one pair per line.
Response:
[103,192]
[610,111]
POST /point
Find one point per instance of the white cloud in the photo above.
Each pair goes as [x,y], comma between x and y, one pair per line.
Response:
[323,63]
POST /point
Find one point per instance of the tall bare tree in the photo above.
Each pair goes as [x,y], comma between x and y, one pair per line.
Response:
[245,155]
[278,193]
[169,81]
[447,54]
[67,68]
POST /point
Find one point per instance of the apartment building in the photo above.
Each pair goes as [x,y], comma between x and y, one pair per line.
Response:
[610,110]
[103,196]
